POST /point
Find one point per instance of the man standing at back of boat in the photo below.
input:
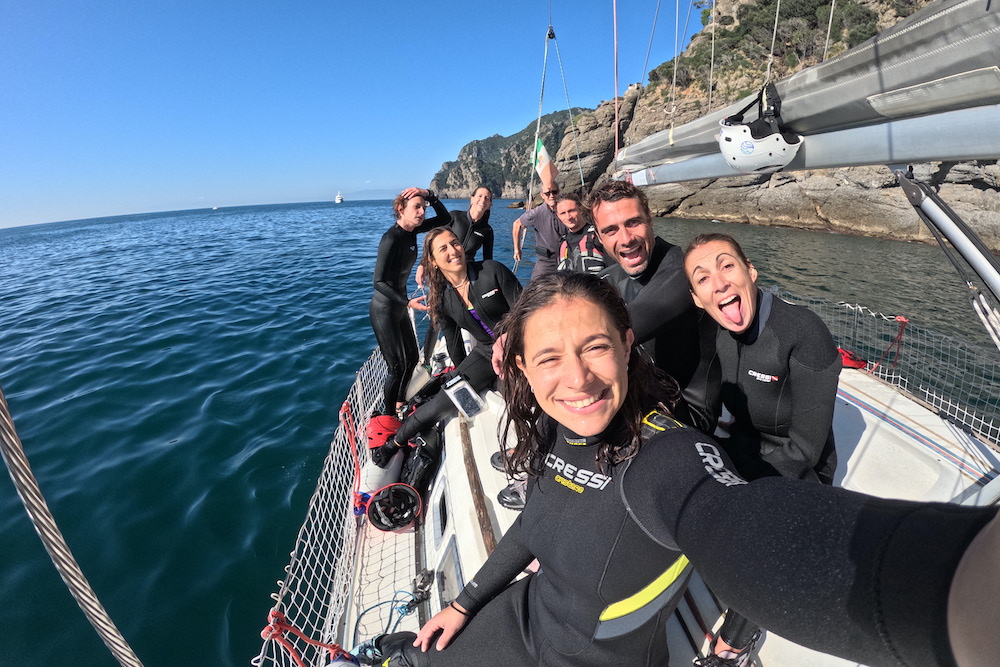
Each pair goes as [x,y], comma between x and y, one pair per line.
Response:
[548,230]
[649,274]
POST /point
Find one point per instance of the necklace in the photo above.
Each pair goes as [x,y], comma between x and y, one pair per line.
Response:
[461,284]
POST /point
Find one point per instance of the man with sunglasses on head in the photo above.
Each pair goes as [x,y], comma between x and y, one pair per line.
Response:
[549,232]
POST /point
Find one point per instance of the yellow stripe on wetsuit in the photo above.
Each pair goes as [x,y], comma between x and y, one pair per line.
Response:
[657,421]
[647,594]
[629,614]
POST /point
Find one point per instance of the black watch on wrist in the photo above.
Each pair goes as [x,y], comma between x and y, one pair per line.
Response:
[430,194]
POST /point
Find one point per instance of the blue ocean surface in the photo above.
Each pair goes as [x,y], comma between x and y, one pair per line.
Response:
[175,380]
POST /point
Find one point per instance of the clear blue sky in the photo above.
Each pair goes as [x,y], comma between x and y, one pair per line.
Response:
[121,107]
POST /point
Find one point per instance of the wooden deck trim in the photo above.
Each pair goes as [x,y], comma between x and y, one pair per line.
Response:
[476,486]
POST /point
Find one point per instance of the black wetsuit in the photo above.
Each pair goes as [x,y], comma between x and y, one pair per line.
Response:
[863,578]
[473,235]
[859,577]
[582,252]
[584,605]
[677,335]
[779,380]
[493,289]
[397,252]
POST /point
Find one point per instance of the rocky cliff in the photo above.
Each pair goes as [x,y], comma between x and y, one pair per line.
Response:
[862,200]
[503,164]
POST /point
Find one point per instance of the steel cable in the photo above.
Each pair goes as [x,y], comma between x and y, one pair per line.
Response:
[54,542]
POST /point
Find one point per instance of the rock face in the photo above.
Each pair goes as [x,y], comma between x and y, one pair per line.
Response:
[857,200]
[860,200]
[593,139]
[503,164]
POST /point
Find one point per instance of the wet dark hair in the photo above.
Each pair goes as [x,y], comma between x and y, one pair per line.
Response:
[575,198]
[433,277]
[532,428]
[612,191]
[570,196]
[399,203]
[482,187]
[702,239]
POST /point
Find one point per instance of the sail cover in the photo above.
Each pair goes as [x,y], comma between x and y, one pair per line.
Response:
[927,88]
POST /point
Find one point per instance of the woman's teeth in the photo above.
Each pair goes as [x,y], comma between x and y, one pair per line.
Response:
[582,403]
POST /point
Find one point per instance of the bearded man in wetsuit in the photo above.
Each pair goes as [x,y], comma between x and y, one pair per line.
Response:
[649,274]
[549,231]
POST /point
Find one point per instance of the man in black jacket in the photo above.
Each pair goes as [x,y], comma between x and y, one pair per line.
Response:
[649,274]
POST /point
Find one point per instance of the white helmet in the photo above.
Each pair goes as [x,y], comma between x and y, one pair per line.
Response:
[759,147]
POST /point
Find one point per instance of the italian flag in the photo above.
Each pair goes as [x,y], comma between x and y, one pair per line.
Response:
[543,163]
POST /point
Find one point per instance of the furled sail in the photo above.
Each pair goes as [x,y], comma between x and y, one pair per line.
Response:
[926,89]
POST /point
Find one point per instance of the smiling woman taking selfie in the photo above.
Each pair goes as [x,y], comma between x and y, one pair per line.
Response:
[621,497]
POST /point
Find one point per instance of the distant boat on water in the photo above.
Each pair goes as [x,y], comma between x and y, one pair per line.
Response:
[339,199]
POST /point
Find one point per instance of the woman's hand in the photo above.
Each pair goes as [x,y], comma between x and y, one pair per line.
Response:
[420,275]
[448,622]
[414,192]
[417,303]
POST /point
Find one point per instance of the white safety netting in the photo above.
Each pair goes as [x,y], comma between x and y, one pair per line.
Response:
[313,594]
[959,380]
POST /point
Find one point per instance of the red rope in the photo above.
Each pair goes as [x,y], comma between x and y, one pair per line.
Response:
[360,499]
[897,341]
[348,419]
[277,625]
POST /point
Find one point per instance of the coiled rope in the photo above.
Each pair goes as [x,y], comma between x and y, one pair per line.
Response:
[278,625]
[55,543]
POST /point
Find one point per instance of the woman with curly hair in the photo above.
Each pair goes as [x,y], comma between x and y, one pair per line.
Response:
[461,296]
[623,500]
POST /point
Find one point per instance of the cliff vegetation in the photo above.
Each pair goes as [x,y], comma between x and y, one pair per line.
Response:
[860,200]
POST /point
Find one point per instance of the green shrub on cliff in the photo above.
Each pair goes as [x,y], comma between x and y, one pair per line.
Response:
[745,48]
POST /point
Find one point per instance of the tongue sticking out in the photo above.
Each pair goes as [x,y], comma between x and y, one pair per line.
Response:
[732,311]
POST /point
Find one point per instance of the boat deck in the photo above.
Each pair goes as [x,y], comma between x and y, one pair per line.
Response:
[894,447]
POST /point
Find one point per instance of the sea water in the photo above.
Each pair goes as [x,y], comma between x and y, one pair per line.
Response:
[175,379]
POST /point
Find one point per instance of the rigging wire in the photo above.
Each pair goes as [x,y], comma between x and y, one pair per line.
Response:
[943,222]
[649,48]
[687,19]
[541,101]
[987,313]
[55,543]
[829,25]
[538,129]
[711,67]
[774,35]
[569,112]
[614,23]
[677,48]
